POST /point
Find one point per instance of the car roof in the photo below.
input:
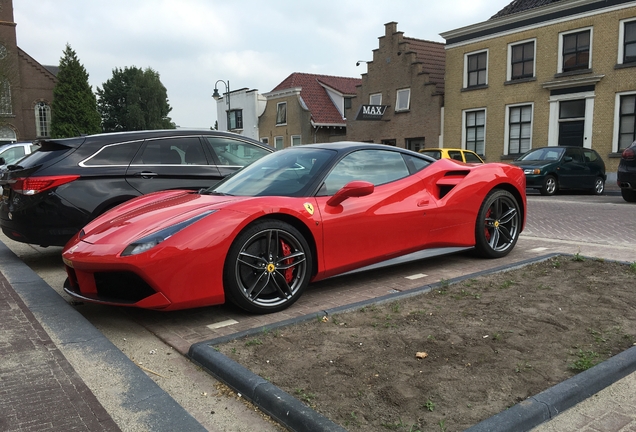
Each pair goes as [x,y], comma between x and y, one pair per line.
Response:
[346,146]
[113,137]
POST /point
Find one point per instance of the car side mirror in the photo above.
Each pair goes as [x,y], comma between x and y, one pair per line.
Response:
[567,159]
[356,188]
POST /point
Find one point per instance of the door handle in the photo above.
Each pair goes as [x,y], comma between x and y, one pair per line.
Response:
[146,174]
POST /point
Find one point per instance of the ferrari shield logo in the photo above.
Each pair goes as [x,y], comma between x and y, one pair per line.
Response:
[309,208]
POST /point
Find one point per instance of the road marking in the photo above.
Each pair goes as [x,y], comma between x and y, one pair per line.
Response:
[416,276]
[539,249]
[222,324]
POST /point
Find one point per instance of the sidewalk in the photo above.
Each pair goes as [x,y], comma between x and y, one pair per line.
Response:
[39,388]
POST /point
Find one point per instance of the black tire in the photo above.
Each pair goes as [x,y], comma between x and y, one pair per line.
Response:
[550,185]
[268,267]
[498,224]
[599,186]
[629,195]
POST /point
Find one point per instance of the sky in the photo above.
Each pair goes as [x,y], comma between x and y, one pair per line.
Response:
[253,44]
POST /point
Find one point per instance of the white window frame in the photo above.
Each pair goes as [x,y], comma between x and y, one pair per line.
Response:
[377,96]
[560,52]
[42,126]
[277,140]
[621,38]
[399,107]
[466,55]
[507,125]
[534,58]
[296,137]
[464,113]
[278,107]
[617,109]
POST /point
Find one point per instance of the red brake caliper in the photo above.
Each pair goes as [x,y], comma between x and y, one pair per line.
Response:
[486,232]
[289,273]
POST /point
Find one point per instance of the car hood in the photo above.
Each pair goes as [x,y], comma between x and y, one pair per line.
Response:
[533,164]
[150,213]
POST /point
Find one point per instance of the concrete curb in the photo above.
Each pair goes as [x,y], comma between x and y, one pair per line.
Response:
[521,417]
[75,333]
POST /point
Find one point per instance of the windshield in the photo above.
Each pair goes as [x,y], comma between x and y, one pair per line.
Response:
[542,154]
[283,173]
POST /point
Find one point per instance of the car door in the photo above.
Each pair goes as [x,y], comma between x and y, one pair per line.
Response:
[573,171]
[230,155]
[172,163]
[379,226]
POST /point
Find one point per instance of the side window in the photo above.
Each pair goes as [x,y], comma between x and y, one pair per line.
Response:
[231,152]
[415,164]
[375,166]
[172,151]
[114,154]
[590,156]
[12,155]
[575,154]
[471,158]
[455,155]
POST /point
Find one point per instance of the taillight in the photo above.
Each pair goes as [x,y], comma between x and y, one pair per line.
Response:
[628,153]
[35,185]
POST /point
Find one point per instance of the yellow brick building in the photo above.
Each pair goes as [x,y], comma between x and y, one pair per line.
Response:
[544,73]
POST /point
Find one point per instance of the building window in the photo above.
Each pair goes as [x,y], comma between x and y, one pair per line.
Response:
[265,140]
[42,119]
[475,131]
[626,121]
[403,100]
[295,140]
[235,119]
[476,69]
[5,98]
[279,143]
[521,60]
[375,99]
[415,144]
[576,51]
[627,42]
[519,129]
[281,113]
[7,135]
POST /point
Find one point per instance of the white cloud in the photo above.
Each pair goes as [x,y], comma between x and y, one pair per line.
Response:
[251,43]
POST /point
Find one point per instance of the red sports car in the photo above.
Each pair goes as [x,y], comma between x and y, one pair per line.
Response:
[295,216]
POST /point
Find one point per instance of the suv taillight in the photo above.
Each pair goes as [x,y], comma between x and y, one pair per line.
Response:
[35,185]
[628,153]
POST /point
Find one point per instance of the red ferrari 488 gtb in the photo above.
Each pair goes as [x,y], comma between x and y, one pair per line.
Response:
[297,215]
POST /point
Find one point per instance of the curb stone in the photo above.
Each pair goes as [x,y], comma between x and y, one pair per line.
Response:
[296,416]
[75,333]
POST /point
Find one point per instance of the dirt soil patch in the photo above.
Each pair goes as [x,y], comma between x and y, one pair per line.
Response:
[447,359]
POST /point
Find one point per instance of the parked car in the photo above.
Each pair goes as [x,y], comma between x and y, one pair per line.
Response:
[461,155]
[627,173]
[10,153]
[551,169]
[298,215]
[58,189]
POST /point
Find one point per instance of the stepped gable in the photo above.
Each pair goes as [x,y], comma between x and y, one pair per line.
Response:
[432,56]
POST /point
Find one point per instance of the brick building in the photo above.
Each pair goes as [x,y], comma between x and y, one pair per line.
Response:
[544,72]
[404,82]
[26,87]
[307,108]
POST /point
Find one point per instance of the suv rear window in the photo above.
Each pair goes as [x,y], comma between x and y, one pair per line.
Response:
[114,154]
[48,151]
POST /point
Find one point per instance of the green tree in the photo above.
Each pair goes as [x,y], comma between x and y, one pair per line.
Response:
[134,99]
[74,107]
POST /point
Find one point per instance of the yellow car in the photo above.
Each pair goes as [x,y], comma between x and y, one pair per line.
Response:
[451,153]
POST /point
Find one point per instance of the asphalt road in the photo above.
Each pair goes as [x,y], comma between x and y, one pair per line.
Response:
[595,226]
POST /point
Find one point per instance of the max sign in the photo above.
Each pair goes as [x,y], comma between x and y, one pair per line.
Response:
[371,112]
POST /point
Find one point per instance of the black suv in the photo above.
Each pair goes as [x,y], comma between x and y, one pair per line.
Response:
[58,189]
[627,173]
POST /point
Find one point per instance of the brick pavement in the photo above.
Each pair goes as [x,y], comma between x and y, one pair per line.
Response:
[39,390]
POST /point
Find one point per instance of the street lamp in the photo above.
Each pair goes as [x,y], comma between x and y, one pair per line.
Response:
[217,96]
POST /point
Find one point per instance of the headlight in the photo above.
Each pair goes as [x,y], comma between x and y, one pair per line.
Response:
[532,171]
[152,240]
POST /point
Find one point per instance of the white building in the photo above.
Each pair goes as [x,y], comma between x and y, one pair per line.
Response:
[241,109]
